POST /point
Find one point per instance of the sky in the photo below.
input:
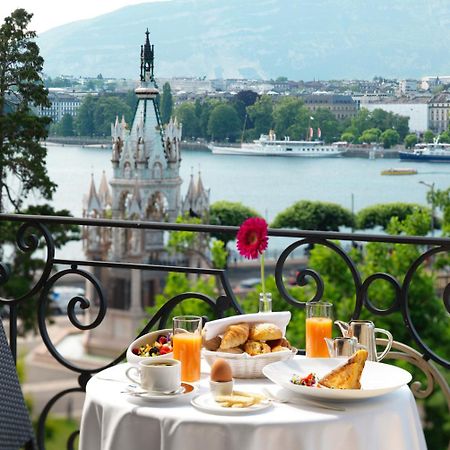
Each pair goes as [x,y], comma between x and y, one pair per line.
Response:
[49,13]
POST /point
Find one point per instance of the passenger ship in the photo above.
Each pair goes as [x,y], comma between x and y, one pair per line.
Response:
[268,145]
[434,152]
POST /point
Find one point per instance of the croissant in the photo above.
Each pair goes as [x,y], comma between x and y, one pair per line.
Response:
[234,336]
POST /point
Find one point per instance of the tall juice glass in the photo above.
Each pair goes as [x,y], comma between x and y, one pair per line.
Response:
[318,327]
[187,344]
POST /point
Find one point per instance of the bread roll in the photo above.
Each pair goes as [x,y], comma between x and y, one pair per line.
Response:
[256,348]
[212,344]
[265,332]
[279,348]
[234,336]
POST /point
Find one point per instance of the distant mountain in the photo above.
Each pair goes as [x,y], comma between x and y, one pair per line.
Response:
[299,39]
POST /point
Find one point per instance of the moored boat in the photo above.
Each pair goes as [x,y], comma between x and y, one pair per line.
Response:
[268,145]
[435,152]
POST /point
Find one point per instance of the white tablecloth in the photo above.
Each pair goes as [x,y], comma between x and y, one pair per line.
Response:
[112,420]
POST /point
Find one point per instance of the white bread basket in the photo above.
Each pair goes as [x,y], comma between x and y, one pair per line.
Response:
[243,365]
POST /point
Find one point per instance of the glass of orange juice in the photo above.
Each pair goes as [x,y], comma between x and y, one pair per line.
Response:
[318,327]
[187,344]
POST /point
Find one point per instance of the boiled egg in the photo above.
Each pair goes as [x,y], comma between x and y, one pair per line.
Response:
[221,371]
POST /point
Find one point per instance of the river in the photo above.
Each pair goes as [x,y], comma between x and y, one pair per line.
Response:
[267,184]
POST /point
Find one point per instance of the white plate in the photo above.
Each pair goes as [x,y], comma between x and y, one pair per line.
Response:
[186,391]
[377,378]
[206,403]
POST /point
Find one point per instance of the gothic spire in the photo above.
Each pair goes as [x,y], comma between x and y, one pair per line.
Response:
[147,59]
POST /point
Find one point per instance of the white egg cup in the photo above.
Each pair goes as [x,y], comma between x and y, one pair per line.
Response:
[221,387]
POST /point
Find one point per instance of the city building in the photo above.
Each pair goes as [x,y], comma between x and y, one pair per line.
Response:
[408,87]
[342,106]
[439,110]
[415,108]
[62,103]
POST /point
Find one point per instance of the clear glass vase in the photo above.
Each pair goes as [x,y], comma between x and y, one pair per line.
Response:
[265,302]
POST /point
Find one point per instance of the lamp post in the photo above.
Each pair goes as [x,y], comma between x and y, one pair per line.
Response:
[431,186]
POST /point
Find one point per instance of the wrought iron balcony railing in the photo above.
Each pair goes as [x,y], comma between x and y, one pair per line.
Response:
[33,235]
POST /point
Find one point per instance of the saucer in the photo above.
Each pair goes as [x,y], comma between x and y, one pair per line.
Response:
[185,391]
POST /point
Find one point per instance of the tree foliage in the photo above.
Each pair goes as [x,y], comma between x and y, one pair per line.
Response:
[21,88]
[229,213]
[380,215]
[410,140]
[224,123]
[96,114]
[308,215]
[166,105]
[389,138]
[185,113]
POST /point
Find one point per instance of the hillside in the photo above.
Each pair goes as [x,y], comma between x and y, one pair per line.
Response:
[300,39]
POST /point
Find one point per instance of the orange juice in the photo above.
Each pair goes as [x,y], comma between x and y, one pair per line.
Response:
[186,348]
[317,329]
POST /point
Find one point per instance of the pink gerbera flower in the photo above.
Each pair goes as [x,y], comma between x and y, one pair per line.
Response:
[252,237]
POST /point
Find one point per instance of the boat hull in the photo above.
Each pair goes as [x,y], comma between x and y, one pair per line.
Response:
[406,156]
[253,151]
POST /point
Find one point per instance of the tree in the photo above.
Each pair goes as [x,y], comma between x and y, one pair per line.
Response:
[348,137]
[328,124]
[389,138]
[380,215]
[107,108]
[308,215]
[286,113]
[410,140]
[85,117]
[224,123]
[21,88]
[229,213]
[370,135]
[261,115]
[444,137]
[166,103]
[185,113]
[66,125]
[428,136]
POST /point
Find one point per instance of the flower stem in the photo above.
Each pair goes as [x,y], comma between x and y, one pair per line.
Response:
[263,283]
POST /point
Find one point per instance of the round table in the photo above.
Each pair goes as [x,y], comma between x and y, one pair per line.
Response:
[112,420]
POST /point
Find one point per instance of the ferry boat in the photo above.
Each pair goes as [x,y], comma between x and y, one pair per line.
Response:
[399,171]
[269,145]
[434,152]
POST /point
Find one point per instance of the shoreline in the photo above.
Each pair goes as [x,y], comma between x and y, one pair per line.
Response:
[353,152]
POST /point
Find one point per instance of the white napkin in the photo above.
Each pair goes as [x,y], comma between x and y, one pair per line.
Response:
[215,327]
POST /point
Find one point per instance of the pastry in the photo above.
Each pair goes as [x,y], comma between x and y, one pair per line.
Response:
[279,348]
[212,344]
[348,375]
[234,336]
[236,350]
[283,342]
[265,332]
[256,348]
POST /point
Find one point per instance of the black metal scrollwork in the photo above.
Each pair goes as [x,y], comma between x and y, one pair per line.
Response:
[33,228]
[84,304]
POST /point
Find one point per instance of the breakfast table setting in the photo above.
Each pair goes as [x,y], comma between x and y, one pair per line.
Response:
[237,383]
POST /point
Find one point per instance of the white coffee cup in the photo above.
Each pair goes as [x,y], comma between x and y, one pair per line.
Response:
[160,375]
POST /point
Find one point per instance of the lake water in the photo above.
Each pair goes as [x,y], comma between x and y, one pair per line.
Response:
[267,184]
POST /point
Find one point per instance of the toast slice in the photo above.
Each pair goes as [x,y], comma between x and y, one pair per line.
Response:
[348,375]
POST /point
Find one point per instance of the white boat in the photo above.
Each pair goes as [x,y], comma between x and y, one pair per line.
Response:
[268,145]
[435,152]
